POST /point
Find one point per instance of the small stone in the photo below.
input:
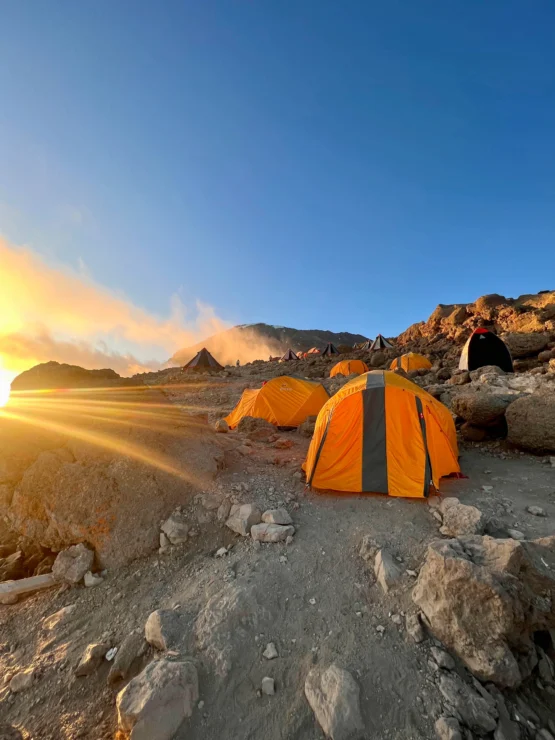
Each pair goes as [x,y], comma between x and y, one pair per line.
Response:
[443,659]
[516,534]
[396,618]
[380,628]
[487,488]
[111,654]
[415,628]
[412,573]
[221,426]
[271,532]
[270,652]
[386,570]
[71,564]
[289,540]
[221,552]
[448,728]
[176,528]
[134,646]
[22,681]
[277,516]
[368,548]
[164,541]
[268,686]
[91,658]
[334,697]
[312,601]
[536,511]
[92,579]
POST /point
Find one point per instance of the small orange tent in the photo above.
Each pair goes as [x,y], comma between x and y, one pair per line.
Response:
[285,402]
[381,433]
[410,361]
[348,367]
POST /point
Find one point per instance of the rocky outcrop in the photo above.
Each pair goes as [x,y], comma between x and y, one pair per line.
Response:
[50,375]
[485,598]
[531,423]
[102,468]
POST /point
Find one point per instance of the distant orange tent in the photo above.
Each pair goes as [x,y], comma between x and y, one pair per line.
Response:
[410,361]
[285,402]
[348,367]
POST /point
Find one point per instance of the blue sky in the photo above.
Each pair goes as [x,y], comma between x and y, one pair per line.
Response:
[314,164]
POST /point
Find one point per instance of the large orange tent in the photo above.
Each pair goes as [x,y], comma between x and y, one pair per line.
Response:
[348,367]
[285,402]
[410,361]
[381,433]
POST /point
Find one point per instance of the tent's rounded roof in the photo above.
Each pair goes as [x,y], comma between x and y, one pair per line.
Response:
[411,361]
[348,367]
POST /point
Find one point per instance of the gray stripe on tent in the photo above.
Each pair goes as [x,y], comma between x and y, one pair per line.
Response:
[428,464]
[374,455]
[375,380]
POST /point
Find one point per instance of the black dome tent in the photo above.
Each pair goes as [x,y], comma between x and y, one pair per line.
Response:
[485,348]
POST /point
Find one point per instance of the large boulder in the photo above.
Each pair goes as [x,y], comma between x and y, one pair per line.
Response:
[526,345]
[531,422]
[480,407]
[334,697]
[102,468]
[485,598]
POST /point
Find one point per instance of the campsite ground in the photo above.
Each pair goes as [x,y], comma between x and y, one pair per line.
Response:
[315,599]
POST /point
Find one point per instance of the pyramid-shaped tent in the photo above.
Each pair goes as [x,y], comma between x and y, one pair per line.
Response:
[330,349]
[381,342]
[203,360]
[289,355]
[366,345]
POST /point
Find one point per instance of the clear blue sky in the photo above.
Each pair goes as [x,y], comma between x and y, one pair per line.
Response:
[312,163]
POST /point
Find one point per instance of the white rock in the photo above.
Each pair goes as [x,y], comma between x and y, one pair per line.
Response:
[448,728]
[334,697]
[271,532]
[277,516]
[221,552]
[270,652]
[154,704]
[268,686]
[111,654]
[91,579]
[22,680]
[71,564]
[386,570]
[242,517]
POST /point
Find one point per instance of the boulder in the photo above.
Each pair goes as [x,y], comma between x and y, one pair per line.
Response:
[71,565]
[462,377]
[176,528]
[271,532]
[129,652]
[480,407]
[154,704]
[460,519]
[386,569]
[242,517]
[221,426]
[277,516]
[476,712]
[105,484]
[334,697]
[485,598]
[472,433]
[91,658]
[164,629]
[377,359]
[530,423]
[525,345]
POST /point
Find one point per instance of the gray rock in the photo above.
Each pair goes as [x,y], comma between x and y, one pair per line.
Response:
[71,565]
[415,628]
[270,652]
[516,534]
[460,519]
[211,501]
[506,729]
[530,423]
[448,728]
[546,668]
[154,704]
[474,711]
[277,516]
[268,686]
[271,532]
[386,570]
[131,649]
[306,429]
[92,579]
[242,517]
[334,697]
[91,658]
[536,510]
[443,659]
[480,407]
[223,510]
[164,629]
[176,528]
[22,681]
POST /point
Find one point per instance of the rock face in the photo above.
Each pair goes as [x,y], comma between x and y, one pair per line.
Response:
[154,704]
[459,519]
[94,481]
[480,407]
[484,599]
[334,697]
[530,423]
[72,564]
[242,517]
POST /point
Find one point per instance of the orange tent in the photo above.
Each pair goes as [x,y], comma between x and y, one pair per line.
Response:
[381,433]
[285,402]
[410,361]
[348,367]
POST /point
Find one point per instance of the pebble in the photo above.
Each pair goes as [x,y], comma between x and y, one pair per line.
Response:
[111,654]
[270,652]
[268,686]
[516,534]
[396,618]
[221,552]
[283,559]
[380,628]
[412,573]
[92,579]
[289,540]
[487,488]
[312,601]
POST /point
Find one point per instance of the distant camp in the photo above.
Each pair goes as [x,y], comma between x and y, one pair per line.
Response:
[203,360]
[410,361]
[348,367]
[485,348]
[285,402]
[381,433]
